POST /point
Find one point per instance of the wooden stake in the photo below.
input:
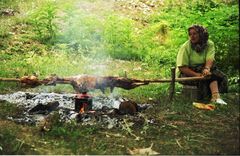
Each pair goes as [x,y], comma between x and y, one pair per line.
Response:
[172,85]
[183,79]
[122,82]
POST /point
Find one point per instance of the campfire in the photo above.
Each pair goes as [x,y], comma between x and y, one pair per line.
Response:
[83,102]
[82,108]
[85,83]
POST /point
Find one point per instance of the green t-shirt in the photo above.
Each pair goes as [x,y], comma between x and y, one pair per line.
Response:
[189,57]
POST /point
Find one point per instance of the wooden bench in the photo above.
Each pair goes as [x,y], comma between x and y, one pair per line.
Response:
[192,92]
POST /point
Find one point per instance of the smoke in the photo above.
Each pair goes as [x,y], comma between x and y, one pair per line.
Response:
[81,34]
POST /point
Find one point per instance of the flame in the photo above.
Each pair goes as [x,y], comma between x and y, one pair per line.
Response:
[82,109]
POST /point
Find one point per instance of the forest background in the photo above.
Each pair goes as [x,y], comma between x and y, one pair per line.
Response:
[111,38]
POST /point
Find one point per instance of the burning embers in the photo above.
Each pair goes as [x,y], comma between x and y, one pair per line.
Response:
[83,102]
[81,107]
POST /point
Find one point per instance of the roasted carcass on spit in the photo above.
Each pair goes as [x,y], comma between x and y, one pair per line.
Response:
[81,83]
[84,83]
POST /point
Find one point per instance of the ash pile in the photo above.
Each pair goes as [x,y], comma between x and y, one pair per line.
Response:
[37,107]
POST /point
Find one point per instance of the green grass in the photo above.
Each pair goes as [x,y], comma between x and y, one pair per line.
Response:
[177,125]
[11,141]
[83,45]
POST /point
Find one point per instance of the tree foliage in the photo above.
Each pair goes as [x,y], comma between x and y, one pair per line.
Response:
[43,21]
[152,38]
[166,29]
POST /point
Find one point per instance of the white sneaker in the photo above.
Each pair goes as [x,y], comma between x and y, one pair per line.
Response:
[220,101]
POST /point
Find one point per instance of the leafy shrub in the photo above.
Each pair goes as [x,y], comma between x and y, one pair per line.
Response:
[123,41]
[221,20]
[224,30]
[43,22]
[80,33]
[8,4]
[153,42]
[118,37]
